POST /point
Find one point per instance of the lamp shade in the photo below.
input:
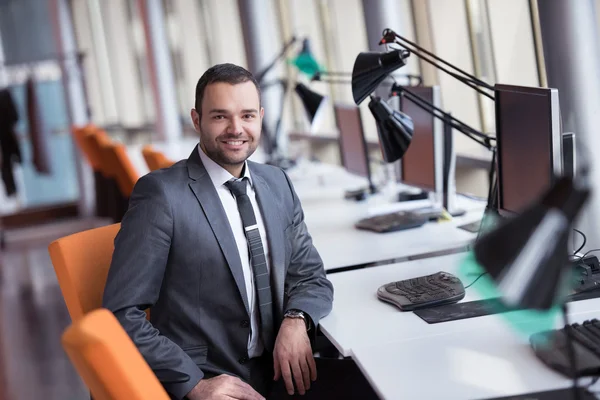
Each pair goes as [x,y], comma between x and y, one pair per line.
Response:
[305,60]
[371,68]
[395,129]
[526,257]
[313,102]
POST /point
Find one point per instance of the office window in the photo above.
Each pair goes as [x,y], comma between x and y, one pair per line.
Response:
[106,33]
[451,41]
[503,47]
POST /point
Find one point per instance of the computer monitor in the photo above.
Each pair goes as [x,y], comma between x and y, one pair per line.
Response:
[528,136]
[422,165]
[569,154]
[353,145]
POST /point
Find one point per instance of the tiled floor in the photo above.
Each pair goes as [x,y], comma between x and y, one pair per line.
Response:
[33,316]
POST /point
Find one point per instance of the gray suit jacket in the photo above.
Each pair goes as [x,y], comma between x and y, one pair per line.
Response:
[176,254]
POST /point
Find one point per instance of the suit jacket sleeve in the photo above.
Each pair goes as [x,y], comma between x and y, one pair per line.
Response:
[135,278]
[306,286]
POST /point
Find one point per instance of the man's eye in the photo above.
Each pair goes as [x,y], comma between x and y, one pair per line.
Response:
[218,117]
[249,116]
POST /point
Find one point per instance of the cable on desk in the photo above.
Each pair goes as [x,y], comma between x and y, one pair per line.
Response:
[476,279]
[588,252]
[584,241]
[592,383]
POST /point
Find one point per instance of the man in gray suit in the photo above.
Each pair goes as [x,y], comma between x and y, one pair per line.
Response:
[217,248]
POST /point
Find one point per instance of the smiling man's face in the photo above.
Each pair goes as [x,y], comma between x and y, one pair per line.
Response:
[230,124]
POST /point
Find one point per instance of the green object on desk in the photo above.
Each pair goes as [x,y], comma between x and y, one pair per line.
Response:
[524,322]
[306,64]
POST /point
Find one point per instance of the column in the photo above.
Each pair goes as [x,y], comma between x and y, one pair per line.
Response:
[381,14]
[262,42]
[75,96]
[572,56]
[161,70]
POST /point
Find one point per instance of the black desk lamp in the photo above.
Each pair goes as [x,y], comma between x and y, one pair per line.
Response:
[526,260]
[306,63]
[313,103]
[371,68]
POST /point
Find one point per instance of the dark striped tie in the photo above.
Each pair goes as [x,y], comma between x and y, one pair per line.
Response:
[258,261]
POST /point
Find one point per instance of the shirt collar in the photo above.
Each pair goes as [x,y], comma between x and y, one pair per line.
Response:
[219,175]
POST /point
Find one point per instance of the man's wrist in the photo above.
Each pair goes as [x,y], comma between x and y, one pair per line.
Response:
[300,315]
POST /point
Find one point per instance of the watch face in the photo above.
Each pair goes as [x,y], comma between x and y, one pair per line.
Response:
[296,314]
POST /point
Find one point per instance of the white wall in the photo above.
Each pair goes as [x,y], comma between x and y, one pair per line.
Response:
[450,36]
[124,72]
[512,39]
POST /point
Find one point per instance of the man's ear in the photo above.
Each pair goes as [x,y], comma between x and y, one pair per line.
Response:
[195,119]
[262,112]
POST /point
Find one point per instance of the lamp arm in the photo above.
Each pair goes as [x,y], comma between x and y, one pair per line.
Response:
[469,82]
[261,74]
[318,77]
[334,73]
[389,36]
[457,124]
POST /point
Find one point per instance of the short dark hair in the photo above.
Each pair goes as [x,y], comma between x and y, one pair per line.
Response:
[228,73]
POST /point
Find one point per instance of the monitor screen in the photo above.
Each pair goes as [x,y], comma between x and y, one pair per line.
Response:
[529,150]
[418,167]
[353,146]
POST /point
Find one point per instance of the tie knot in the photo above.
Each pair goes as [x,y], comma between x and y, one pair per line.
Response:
[237,186]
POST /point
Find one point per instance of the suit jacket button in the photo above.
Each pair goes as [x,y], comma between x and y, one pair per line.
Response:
[245,323]
[243,360]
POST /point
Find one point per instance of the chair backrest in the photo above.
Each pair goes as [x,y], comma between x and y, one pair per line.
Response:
[126,174]
[81,262]
[108,361]
[97,141]
[79,134]
[155,159]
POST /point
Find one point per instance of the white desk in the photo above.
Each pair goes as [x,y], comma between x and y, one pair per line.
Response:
[485,363]
[359,319]
[342,245]
[330,219]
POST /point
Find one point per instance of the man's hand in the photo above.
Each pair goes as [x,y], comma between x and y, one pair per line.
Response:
[223,387]
[293,356]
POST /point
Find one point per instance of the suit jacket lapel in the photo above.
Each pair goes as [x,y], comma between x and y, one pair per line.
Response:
[271,213]
[210,203]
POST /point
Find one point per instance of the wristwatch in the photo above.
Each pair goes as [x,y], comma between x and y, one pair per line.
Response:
[293,313]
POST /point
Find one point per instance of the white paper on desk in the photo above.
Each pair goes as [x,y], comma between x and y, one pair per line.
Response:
[399,206]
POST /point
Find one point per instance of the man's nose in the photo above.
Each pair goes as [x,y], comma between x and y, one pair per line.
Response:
[235,126]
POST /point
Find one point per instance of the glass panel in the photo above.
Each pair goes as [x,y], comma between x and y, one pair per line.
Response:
[60,185]
[483,56]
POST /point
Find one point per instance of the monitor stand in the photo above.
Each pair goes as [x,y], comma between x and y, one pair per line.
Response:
[410,196]
[360,194]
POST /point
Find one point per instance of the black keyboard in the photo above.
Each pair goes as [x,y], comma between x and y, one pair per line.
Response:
[392,222]
[551,348]
[422,292]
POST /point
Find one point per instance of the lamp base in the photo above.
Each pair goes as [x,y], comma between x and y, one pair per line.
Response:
[560,394]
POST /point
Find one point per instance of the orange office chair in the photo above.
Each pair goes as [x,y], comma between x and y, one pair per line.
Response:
[124,170]
[94,140]
[79,135]
[109,362]
[155,159]
[81,262]
[108,167]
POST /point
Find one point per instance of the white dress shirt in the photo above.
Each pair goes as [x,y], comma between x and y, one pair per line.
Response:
[219,176]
